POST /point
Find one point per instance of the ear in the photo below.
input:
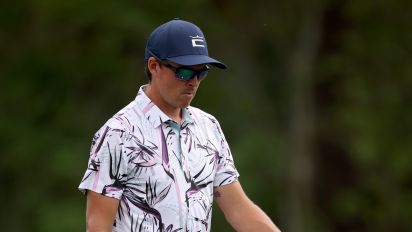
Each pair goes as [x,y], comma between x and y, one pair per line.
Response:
[152,66]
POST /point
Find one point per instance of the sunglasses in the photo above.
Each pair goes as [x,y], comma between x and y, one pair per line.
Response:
[185,73]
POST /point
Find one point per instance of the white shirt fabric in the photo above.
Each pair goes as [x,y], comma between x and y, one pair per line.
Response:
[162,173]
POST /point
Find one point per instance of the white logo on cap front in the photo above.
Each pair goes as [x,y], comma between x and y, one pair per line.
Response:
[196,40]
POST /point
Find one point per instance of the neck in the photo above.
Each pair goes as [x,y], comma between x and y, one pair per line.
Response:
[172,112]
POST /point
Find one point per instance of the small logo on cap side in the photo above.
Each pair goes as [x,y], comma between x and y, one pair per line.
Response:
[196,40]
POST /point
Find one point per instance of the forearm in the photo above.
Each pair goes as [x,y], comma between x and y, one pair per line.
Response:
[252,218]
[241,213]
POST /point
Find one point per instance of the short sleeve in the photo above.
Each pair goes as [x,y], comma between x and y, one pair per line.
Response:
[107,166]
[226,172]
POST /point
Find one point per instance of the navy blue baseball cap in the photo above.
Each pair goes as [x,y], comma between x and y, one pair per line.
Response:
[181,42]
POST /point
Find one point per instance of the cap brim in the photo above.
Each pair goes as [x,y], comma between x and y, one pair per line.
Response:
[190,60]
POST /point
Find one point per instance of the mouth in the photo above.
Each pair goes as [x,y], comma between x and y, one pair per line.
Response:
[189,92]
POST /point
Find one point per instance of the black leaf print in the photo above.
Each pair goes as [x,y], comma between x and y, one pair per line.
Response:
[114,173]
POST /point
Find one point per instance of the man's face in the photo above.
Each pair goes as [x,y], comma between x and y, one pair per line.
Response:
[173,93]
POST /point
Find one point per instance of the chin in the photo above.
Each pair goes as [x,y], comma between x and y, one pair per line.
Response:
[185,104]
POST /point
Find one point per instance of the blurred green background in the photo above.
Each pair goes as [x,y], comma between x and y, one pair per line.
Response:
[316,104]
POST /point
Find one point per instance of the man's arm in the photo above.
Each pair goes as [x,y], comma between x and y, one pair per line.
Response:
[100,212]
[241,213]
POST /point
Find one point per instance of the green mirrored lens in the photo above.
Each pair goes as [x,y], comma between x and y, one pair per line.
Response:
[202,74]
[186,74]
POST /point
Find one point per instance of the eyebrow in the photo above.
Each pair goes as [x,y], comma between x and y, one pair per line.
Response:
[193,67]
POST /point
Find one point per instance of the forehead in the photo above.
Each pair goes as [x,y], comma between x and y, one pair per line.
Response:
[197,67]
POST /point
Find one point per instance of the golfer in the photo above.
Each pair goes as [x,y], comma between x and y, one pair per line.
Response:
[159,163]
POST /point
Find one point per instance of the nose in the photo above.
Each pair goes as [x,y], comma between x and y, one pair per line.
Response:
[193,81]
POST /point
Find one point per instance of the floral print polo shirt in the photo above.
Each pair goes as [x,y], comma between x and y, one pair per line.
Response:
[163,173]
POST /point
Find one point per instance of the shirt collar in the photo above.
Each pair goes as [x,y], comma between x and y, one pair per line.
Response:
[187,117]
[156,116]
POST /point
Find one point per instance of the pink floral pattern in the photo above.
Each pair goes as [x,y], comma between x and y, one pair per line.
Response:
[162,173]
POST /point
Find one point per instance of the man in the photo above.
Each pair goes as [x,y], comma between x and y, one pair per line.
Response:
[158,163]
